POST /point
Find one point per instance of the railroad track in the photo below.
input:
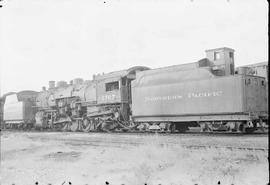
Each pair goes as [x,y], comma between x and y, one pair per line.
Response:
[227,147]
[123,144]
[214,133]
[123,139]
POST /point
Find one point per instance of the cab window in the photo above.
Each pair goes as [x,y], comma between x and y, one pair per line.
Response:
[112,86]
[124,81]
[248,81]
[256,81]
[263,83]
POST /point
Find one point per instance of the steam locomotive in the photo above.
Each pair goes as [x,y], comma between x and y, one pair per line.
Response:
[208,94]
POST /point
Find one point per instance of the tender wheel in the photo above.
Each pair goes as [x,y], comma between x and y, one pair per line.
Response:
[241,127]
[181,127]
[173,128]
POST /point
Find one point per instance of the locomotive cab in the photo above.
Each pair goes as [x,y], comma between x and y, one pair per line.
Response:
[114,91]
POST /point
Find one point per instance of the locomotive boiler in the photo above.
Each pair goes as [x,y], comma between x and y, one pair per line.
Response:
[62,106]
[100,104]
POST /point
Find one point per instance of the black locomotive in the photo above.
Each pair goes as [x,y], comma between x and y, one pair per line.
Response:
[208,94]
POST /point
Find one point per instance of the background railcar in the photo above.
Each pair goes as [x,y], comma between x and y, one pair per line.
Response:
[258,69]
[19,109]
[2,101]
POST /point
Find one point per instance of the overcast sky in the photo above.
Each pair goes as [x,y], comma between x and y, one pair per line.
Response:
[42,40]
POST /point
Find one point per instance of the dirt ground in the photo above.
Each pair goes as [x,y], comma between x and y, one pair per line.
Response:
[132,159]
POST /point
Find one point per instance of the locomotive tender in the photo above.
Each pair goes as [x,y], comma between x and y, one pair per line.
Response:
[207,93]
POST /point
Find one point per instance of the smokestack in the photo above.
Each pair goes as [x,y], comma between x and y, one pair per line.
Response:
[78,81]
[51,84]
[87,81]
[43,88]
[61,84]
[71,82]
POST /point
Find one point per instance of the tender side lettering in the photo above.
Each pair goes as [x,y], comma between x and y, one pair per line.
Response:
[204,94]
[189,95]
[162,98]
